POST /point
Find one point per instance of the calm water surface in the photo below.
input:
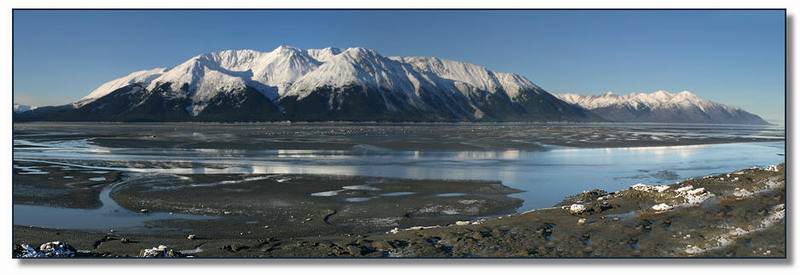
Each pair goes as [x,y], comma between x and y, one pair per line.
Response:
[546,176]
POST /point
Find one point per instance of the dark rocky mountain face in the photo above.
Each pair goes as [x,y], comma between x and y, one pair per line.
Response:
[687,115]
[350,103]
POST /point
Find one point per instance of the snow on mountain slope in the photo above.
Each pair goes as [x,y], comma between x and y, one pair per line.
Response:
[358,81]
[658,99]
[19,108]
[323,55]
[140,77]
[320,84]
[286,66]
[278,68]
[357,66]
[661,106]
[283,66]
[471,74]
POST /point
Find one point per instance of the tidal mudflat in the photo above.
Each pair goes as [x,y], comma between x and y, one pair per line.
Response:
[316,190]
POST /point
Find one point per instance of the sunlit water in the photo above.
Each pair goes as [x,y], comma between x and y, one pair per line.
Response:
[545,176]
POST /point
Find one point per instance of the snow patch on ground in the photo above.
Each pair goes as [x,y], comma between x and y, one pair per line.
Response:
[685,196]
[727,238]
[650,188]
[741,193]
[577,208]
[661,207]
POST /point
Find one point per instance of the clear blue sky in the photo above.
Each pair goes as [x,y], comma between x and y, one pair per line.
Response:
[732,57]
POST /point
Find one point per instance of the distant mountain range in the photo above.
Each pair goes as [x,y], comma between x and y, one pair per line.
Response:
[19,108]
[354,84]
[661,106]
[358,84]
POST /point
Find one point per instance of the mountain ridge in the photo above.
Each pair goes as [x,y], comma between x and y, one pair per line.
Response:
[661,106]
[20,108]
[333,84]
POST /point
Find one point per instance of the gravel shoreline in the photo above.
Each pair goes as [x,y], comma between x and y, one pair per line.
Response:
[739,214]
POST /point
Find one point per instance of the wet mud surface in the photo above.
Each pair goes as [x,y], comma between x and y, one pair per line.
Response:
[59,185]
[341,190]
[306,205]
[740,214]
[395,137]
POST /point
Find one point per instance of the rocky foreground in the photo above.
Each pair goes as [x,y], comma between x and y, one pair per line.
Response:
[741,214]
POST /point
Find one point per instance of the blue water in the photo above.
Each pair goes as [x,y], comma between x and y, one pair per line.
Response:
[109,216]
[546,177]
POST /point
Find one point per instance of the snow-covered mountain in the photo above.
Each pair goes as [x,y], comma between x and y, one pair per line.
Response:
[354,84]
[19,108]
[661,106]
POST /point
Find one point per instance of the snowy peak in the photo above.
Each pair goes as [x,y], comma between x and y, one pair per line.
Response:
[359,67]
[661,106]
[323,55]
[289,83]
[660,94]
[291,71]
[653,100]
[19,108]
[473,75]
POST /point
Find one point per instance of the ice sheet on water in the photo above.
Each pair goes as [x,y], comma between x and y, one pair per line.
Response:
[30,170]
[361,187]
[326,193]
[357,199]
[394,194]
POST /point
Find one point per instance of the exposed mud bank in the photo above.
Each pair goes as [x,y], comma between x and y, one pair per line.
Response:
[740,214]
[392,137]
